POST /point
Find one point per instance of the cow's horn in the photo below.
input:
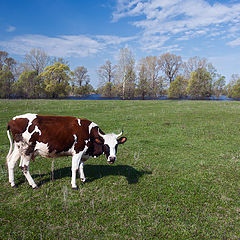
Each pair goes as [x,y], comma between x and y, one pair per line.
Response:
[119,134]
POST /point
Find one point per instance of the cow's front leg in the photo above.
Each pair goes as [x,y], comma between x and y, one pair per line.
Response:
[81,172]
[75,165]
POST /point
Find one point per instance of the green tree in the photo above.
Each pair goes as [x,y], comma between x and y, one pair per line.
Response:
[178,88]
[6,83]
[219,86]
[108,90]
[236,89]
[200,84]
[56,80]
[7,69]
[29,85]
[84,90]
[81,81]
[233,82]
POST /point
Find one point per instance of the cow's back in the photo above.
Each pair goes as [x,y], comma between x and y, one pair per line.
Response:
[50,135]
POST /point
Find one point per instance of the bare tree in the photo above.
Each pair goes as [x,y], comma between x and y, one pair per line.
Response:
[195,63]
[153,69]
[10,64]
[3,56]
[170,64]
[125,73]
[80,76]
[106,73]
[150,81]
[59,60]
[37,59]
[143,84]
[106,76]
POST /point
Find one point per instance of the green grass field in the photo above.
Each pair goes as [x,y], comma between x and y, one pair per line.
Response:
[177,176]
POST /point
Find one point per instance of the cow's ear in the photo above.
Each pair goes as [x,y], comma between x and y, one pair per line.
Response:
[122,140]
[98,140]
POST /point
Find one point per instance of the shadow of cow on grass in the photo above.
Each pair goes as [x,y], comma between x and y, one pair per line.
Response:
[94,172]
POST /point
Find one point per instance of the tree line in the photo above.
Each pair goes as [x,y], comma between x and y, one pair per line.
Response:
[166,74]
[39,76]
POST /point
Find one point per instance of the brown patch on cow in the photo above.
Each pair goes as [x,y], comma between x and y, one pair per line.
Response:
[95,143]
[17,127]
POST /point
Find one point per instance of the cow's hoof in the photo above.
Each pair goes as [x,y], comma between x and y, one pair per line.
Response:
[75,188]
[14,186]
[36,187]
[83,180]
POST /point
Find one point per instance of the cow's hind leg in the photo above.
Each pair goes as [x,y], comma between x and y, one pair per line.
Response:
[25,161]
[11,161]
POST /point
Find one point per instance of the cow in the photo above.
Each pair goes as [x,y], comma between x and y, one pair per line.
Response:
[56,136]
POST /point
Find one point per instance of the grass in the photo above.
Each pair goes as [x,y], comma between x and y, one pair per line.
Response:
[177,176]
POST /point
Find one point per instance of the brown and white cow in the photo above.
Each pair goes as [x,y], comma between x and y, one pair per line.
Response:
[55,136]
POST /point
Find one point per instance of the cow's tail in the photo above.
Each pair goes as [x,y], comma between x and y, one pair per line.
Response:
[11,143]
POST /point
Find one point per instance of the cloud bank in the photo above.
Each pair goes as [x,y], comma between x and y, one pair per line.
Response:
[162,20]
[65,45]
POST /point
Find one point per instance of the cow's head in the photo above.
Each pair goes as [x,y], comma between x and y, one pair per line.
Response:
[110,143]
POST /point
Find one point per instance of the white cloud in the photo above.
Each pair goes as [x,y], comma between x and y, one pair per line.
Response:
[113,40]
[234,43]
[63,46]
[149,43]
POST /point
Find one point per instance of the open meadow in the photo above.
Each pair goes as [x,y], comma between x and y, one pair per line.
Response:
[177,176]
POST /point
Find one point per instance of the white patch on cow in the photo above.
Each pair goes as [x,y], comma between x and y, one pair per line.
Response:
[71,151]
[42,149]
[85,149]
[29,116]
[37,130]
[75,138]
[91,126]
[79,122]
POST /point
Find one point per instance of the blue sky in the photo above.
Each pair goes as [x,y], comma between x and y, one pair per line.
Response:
[89,32]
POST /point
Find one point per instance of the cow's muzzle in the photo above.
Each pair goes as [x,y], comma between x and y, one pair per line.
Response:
[111,160]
